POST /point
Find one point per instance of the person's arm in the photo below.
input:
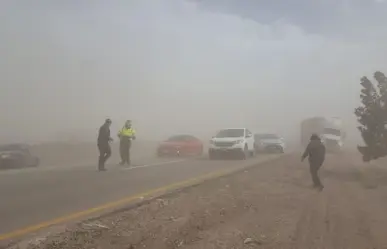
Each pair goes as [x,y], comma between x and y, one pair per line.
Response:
[100,134]
[134,134]
[110,139]
[306,153]
[323,150]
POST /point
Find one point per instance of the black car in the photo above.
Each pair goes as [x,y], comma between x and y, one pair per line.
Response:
[17,156]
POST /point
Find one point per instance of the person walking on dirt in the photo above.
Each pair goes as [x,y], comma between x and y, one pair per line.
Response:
[103,144]
[315,151]
[126,134]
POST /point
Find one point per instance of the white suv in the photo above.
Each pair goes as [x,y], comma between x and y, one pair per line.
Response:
[239,141]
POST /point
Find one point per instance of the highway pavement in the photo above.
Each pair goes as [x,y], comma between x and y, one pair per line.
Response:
[34,196]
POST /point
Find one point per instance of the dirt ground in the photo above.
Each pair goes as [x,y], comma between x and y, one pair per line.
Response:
[268,206]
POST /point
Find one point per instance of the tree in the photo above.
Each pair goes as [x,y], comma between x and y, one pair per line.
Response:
[372,116]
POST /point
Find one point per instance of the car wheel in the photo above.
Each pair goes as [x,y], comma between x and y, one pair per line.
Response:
[19,163]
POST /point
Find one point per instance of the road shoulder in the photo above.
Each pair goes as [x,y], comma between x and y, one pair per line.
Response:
[270,205]
[170,209]
[130,200]
[267,206]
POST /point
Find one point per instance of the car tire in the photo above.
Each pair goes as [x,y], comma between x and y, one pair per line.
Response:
[20,163]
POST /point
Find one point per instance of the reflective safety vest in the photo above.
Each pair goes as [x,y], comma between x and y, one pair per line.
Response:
[125,132]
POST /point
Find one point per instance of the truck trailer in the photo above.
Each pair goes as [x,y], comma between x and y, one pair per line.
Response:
[330,130]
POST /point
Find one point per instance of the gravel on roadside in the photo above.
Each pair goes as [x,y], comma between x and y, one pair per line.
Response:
[269,206]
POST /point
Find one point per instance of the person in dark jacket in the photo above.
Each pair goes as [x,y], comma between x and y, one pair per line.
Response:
[315,151]
[103,144]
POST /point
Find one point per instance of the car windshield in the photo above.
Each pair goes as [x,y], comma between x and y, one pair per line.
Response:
[180,138]
[11,147]
[230,133]
[267,136]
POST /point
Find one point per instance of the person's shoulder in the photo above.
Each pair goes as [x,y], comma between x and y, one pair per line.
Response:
[103,128]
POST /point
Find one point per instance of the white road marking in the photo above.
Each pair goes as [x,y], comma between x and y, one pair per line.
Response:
[155,164]
[109,167]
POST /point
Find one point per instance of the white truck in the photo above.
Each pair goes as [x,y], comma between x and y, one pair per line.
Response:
[330,131]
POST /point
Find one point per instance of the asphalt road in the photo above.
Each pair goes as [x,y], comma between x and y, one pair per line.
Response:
[33,196]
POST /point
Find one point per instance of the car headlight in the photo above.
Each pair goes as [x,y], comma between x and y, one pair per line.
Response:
[238,141]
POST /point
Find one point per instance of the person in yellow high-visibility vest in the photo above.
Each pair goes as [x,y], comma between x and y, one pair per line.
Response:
[126,135]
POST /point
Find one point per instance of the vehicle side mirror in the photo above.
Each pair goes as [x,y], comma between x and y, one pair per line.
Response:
[248,135]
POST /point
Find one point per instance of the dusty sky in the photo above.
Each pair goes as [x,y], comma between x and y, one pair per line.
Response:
[183,66]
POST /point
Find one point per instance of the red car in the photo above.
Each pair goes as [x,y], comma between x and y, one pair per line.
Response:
[178,145]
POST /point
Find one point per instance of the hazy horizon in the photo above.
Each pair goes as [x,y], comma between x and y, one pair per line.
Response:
[181,66]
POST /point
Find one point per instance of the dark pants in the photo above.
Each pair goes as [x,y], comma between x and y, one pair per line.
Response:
[314,168]
[104,153]
[125,145]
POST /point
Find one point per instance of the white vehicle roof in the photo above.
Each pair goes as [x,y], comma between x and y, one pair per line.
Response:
[235,128]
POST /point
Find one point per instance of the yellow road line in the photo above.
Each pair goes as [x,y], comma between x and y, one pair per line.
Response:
[111,205]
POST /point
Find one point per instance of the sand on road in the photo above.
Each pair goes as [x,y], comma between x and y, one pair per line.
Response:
[63,154]
[268,206]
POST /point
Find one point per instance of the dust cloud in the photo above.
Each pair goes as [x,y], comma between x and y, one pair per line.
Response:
[179,66]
